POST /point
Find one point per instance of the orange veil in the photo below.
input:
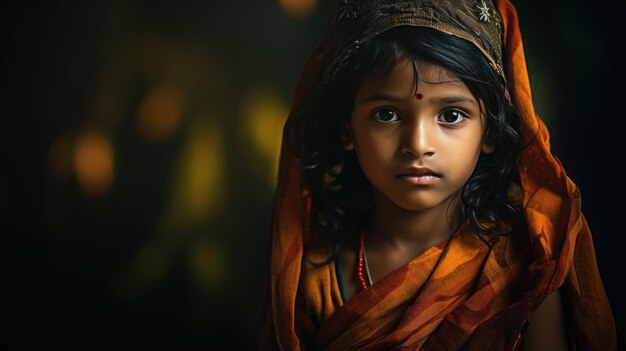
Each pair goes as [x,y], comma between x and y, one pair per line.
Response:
[561,252]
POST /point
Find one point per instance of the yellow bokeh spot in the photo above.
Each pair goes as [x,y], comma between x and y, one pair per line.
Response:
[93,162]
[199,178]
[299,8]
[207,265]
[264,115]
[160,113]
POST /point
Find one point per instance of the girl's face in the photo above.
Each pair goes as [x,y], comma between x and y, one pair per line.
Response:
[417,148]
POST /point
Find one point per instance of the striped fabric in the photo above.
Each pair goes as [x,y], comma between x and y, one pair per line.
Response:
[463,282]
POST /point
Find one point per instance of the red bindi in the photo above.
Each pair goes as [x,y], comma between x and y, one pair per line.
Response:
[419,96]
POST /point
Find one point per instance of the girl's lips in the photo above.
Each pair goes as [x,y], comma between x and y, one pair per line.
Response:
[420,179]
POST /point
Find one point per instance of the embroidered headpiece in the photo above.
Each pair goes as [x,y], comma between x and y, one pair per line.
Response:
[357,21]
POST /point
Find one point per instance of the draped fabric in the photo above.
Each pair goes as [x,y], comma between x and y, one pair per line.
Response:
[463,294]
[461,283]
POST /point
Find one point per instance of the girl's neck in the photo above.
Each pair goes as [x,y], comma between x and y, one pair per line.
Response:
[394,228]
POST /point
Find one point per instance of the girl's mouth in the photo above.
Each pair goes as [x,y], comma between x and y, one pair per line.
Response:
[419,179]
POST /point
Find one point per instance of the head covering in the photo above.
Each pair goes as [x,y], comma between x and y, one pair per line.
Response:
[358,21]
[561,253]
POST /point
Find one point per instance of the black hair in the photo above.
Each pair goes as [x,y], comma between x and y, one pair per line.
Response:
[341,195]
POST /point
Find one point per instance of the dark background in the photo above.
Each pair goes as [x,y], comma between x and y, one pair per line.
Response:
[161,240]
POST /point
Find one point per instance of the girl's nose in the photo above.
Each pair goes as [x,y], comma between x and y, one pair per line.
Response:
[418,139]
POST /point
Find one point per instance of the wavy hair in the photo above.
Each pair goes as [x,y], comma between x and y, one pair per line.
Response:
[341,194]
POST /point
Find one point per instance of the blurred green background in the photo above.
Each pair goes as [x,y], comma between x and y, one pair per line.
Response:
[139,152]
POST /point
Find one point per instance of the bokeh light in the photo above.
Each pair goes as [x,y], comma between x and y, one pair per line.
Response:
[93,162]
[207,264]
[299,8]
[196,192]
[199,180]
[160,113]
[264,115]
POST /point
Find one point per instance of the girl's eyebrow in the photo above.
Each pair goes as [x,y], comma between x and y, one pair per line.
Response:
[440,100]
[454,99]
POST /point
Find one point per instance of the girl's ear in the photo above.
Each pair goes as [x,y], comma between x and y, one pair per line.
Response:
[487,148]
[346,138]
[488,145]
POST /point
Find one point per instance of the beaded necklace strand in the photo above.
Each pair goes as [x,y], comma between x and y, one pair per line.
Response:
[363,263]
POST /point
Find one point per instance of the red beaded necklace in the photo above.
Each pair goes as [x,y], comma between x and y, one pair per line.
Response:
[362,261]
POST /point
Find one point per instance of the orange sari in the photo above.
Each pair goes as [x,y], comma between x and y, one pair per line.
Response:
[449,290]
[462,294]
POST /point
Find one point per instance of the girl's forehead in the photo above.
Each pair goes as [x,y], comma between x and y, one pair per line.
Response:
[405,73]
[434,73]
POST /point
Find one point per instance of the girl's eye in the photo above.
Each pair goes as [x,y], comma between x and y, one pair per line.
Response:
[386,115]
[452,117]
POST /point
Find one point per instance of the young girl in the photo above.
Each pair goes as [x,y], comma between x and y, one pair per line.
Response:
[418,205]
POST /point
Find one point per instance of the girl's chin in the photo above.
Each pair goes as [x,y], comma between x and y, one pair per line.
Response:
[417,206]
[420,203]
[413,200]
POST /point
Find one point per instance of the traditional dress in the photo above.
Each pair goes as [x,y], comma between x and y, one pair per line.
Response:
[463,294]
